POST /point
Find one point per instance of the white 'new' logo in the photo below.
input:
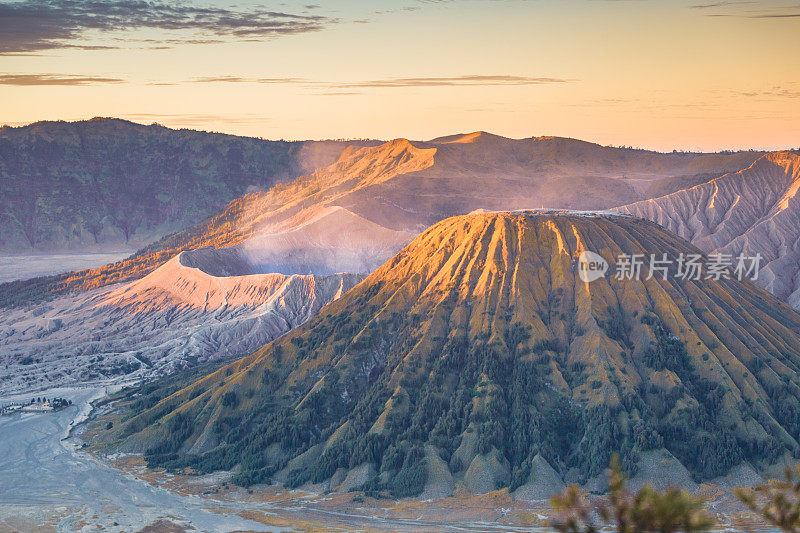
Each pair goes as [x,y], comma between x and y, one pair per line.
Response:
[591,266]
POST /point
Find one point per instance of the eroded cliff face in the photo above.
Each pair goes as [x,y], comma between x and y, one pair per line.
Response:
[178,316]
[755,210]
[478,357]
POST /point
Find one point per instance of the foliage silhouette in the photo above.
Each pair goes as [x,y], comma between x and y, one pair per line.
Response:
[777,500]
[646,510]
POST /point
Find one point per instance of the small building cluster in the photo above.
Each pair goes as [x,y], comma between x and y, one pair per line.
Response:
[36,405]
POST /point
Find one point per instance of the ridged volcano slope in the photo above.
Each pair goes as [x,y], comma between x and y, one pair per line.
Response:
[477,356]
[755,210]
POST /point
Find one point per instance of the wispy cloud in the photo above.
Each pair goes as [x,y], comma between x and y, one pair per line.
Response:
[774,92]
[464,81]
[338,93]
[777,15]
[758,15]
[327,88]
[189,119]
[471,80]
[54,79]
[238,79]
[749,9]
[38,25]
[719,4]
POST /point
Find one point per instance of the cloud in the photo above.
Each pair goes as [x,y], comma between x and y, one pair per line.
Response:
[751,9]
[758,15]
[718,4]
[323,88]
[776,16]
[775,92]
[38,25]
[456,81]
[189,119]
[346,88]
[338,93]
[54,79]
[237,79]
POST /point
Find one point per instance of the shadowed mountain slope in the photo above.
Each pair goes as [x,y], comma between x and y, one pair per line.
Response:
[356,213]
[476,357]
[755,210]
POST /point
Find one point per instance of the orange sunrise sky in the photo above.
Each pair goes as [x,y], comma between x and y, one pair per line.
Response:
[696,75]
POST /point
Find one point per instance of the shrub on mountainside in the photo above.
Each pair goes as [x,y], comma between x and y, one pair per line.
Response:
[179,427]
[411,478]
[230,399]
[521,407]
[474,387]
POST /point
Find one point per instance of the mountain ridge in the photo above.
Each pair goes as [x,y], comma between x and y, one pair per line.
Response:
[396,189]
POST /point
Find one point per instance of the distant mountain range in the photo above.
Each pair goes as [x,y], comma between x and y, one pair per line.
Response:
[476,359]
[357,212]
[110,184]
[350,216]
[471,359]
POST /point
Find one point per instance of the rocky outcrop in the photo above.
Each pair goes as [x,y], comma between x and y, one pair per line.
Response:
[543,482]
[487,472]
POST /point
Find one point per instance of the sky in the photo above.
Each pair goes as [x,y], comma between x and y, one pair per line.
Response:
[670,74]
